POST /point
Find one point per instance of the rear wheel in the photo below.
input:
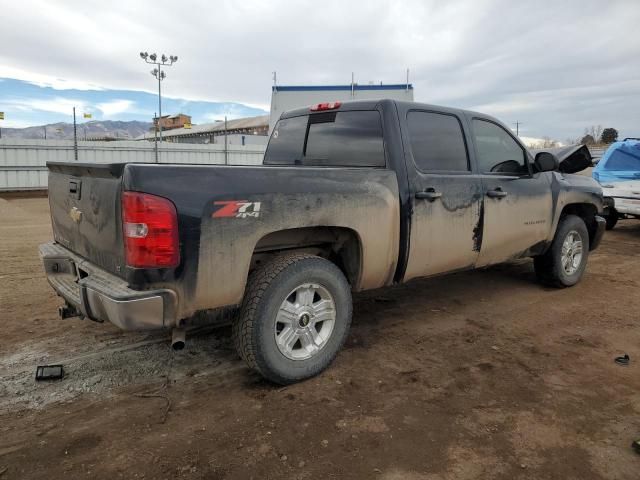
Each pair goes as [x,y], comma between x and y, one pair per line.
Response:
[564,263]
[294,318]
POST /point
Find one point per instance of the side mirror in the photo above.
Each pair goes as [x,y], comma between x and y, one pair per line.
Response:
[546,162]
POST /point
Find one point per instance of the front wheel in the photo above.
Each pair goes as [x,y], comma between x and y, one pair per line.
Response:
[564,263]
[294,318]
[611,219]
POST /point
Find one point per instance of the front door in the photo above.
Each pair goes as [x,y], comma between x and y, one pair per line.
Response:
[447,196]
[518,205]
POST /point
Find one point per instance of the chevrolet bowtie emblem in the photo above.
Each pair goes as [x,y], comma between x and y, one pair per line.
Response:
[75,214]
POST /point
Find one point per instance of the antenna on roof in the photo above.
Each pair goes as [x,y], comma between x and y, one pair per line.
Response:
[352,85]
[275,80]
[407,79]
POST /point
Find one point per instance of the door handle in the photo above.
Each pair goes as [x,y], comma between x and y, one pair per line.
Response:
[428,194]
[497,193]
[74,188]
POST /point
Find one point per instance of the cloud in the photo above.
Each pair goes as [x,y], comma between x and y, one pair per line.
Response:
[115,107]
[29,104]
[555,66]
[56,105]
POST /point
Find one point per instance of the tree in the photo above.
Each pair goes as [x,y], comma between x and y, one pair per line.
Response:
[609,135]
[595,131]
[587,140]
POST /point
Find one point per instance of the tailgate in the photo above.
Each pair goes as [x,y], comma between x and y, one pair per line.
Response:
[85,211]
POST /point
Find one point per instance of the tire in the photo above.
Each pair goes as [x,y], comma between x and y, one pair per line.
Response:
[611,219]
[549,267]
[283,299]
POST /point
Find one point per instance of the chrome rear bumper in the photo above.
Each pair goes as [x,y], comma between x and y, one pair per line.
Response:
[102,296]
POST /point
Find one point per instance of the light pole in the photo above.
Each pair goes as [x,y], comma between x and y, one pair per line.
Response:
[157,72]
[75,136]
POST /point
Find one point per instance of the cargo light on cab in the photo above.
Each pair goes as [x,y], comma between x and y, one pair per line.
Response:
[150,228]
[325,106]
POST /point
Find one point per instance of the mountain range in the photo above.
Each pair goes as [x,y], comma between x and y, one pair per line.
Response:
[88,130]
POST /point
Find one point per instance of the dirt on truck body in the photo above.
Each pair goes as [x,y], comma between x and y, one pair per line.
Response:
[351,197]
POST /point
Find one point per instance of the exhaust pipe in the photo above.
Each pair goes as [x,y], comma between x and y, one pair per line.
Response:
[178,336]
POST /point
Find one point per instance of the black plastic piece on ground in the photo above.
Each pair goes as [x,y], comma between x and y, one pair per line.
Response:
[624,360]
[49,372]
[68,311]
[636,446]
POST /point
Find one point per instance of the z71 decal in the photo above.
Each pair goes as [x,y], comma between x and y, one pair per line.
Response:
[236,209]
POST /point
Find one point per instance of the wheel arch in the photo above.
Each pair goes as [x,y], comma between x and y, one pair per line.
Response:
[340,245]
[587,212]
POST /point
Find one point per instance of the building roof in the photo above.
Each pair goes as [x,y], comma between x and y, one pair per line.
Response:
[261,121]
[355,86]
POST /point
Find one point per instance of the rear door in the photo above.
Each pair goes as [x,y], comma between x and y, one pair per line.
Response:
[518,205]
[447,195]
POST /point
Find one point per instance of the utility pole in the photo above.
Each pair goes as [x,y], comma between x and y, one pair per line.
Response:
[160,75]
[226,152]
[155,134]
[75,136]
[517,124]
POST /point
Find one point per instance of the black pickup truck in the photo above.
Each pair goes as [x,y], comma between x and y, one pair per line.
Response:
[350,197]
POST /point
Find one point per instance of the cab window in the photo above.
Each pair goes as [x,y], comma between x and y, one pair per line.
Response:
[437,142]
[497,151]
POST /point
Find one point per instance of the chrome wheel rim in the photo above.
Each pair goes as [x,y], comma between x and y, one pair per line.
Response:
[305,321]
[571,252]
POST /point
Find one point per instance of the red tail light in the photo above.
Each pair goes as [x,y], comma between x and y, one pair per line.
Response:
[326,106]
[150,228]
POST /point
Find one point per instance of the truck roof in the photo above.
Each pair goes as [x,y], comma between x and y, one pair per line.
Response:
[372,104]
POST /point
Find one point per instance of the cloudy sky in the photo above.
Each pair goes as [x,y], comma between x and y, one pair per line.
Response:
[555,66]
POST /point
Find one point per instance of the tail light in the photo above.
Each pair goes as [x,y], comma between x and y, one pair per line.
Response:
[150,227]
[326,106]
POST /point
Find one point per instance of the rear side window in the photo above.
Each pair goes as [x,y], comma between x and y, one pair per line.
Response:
[351,139]
[437,142]
[621,160]
[287,142]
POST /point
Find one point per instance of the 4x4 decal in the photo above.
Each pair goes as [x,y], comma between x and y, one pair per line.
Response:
[236,208]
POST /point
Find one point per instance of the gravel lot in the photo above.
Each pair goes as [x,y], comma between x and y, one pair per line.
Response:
[482,374]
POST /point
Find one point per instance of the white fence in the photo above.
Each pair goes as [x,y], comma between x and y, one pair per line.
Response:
[23,162]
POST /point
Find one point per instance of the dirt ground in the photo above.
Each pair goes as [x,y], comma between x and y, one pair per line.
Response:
[482,374]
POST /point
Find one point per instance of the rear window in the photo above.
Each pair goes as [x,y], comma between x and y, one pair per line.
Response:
[621,160]
[352,139]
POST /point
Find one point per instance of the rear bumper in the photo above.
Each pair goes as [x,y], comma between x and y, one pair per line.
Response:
[601,223]
[101,296]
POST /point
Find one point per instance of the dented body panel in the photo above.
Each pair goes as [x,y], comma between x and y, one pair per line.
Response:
[382,225]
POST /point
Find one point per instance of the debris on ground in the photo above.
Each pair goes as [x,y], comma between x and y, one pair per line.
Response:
[623,360]
[49,372]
